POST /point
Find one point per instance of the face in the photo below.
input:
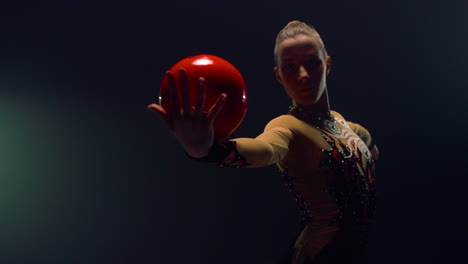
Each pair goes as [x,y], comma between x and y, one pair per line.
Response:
[302,69]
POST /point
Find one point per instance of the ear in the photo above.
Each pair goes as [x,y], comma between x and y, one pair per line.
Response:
[328,64]
[278,77]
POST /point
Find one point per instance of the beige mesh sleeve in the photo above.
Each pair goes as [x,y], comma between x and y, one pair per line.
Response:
[268,148]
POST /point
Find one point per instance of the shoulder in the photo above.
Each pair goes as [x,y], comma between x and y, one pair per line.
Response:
[337,115]
[285,121]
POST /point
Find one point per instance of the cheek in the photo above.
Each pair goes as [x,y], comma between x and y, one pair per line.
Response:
[320,70]
[319,74]
[287,78]
[289,89]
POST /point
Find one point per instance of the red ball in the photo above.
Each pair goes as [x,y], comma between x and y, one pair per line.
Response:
[221,77]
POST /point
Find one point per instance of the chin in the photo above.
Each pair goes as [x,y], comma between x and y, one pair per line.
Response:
[306,102]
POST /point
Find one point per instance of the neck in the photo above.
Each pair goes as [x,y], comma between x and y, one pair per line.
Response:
[322,105]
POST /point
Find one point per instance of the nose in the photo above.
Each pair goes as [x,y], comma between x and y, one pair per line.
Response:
[303,74]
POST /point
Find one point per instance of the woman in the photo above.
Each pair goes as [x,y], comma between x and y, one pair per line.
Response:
[326,161]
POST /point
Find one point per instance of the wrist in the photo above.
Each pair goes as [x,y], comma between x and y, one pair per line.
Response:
[197,152]
[217,152]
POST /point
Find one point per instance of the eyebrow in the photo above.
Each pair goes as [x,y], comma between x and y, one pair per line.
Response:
[314,56]
[286,59]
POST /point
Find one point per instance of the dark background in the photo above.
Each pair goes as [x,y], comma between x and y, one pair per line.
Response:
[89,175]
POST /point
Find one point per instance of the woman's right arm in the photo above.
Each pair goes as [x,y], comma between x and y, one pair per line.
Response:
[266,149]
[194,130]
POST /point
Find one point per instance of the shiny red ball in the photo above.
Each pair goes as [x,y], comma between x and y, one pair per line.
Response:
[221,77]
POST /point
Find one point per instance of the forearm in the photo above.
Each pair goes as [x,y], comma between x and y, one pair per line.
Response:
[267,148]
[259,153]
[243,152]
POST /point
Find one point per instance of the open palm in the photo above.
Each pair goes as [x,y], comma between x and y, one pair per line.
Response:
[192,127]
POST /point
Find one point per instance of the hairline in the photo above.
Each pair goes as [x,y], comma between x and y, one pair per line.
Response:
[314,35]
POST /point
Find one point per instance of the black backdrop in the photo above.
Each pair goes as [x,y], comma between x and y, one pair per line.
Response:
[89,175]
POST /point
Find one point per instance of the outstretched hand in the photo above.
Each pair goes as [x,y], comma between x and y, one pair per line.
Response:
[192,127]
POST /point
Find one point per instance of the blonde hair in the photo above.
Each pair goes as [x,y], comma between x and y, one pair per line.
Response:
[294,29]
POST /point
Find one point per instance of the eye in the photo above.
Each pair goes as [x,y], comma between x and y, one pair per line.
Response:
[289,67]
[314,62]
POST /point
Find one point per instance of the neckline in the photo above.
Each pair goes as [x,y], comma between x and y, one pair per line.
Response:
[319,115]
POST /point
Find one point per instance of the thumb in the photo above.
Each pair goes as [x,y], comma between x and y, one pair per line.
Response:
[162,114]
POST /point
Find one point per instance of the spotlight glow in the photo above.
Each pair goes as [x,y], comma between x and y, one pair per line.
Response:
[203,61]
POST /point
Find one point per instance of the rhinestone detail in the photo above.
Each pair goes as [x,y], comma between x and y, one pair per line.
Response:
[355,194]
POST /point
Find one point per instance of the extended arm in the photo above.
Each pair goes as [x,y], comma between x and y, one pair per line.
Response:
[194,130]
[268,148]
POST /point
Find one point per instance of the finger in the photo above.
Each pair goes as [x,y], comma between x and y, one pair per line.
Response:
[200,95]
[162,114]
[217,107]
[173,94]
[185,93]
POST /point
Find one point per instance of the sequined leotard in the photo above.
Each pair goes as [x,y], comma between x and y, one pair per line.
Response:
[326,164]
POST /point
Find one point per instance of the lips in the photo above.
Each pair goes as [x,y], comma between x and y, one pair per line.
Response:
[306,89]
